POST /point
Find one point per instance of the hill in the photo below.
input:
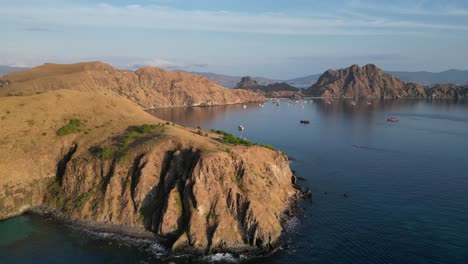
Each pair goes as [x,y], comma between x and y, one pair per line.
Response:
[101,162]
[368,81]
[149,87]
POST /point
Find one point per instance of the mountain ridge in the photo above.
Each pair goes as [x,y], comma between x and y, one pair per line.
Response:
[149,87]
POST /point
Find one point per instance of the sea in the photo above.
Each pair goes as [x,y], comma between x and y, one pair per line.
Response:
[383,192]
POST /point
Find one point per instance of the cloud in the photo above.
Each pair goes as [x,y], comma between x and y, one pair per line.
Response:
[163,63]
[37,29]
[418,8]
[372,57]
[162,17]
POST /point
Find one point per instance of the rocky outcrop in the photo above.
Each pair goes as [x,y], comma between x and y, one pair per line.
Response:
[191,191]
[368,81]
[448,91]
[149,87]
[274,90]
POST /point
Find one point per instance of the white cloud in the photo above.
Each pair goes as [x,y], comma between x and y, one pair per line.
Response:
[437,9]
[160,17]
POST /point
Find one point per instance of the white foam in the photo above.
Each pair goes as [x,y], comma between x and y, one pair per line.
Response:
[225,258]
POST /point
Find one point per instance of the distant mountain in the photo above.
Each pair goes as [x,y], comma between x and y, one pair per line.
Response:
[231,81]
[279,89]
[368,81]
[423,77]
[431,78]
[303,81]
[4,70]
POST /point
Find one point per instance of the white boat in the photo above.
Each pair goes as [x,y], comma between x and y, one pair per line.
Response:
[245,106]
[240,128]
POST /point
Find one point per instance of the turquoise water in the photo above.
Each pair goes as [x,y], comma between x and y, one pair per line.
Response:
[406,185]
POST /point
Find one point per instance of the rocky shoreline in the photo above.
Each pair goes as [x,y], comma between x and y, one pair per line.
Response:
[148,238]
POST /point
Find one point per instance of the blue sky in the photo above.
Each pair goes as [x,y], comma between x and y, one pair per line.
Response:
[276,39]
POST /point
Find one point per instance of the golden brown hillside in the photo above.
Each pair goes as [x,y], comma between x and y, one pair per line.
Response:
[106,164]
[149,87]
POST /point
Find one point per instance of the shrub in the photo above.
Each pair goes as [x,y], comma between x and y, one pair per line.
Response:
[228,150]
[269,147]
[146,128]
[231,139]
[73,126]
[128,138]
[107,153]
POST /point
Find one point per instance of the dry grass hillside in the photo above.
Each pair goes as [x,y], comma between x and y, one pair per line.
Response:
[149,87]
[101,160]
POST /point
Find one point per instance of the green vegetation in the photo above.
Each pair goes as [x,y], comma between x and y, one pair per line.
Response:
[123,142]
[73,126]
[228,150]
[231,139]
[269,147]
[146,128]
[128,138]
[107,153]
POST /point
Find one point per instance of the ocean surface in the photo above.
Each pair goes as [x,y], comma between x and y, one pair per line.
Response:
[382,192]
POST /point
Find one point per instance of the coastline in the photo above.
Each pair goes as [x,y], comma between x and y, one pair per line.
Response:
[148,238]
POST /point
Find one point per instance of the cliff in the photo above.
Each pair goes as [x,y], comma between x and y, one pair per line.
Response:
[368,81]
[102,161]
[148,87]
[271,90]
[448,91]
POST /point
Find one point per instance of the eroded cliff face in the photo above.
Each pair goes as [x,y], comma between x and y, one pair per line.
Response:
[193,198]
[183,185]
[448,91]
[368,81]
[149,87]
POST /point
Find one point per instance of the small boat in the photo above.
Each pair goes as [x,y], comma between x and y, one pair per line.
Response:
[393,119]
[304,122]
[240,128]
[245,106]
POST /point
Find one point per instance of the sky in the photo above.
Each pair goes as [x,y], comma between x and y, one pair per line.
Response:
[271,38]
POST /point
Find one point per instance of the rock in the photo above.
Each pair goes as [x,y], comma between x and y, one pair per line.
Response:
[148,87]
[366,82]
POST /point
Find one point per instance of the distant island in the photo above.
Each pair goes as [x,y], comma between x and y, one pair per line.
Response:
[459,77]
[368,81]
[273,90]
